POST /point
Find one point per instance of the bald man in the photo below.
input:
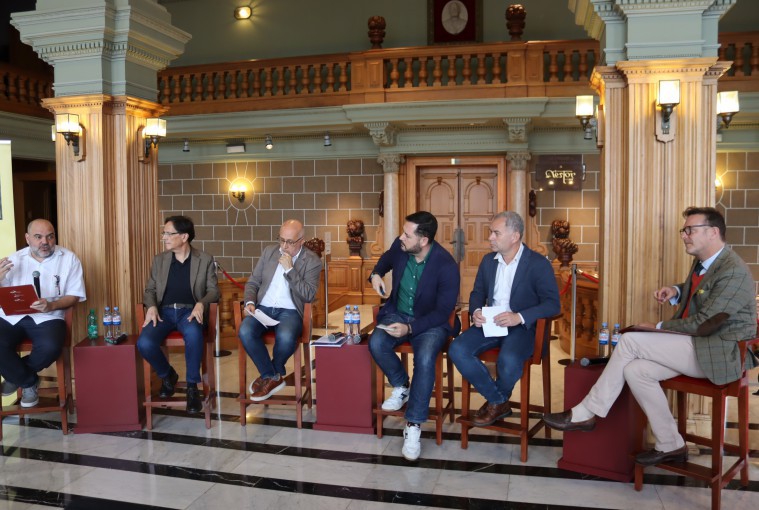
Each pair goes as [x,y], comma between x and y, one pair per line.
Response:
[61,286]
[284,279]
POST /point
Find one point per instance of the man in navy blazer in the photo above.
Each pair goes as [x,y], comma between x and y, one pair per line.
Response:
[522,281]
[425,291]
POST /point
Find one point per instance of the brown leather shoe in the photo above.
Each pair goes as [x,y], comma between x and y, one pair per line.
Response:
[255,385]
[563,421]
[653,456]
[489,413]
[268,388]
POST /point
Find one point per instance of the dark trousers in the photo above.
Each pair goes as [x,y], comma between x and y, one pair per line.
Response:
[47,343]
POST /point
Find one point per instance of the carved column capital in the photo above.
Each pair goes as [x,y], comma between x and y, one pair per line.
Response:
[518,160]
[382,133]
[391,162]
[517,127]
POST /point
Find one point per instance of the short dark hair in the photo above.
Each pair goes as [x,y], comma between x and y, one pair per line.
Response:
[183,225]
[712,217]
[426,224]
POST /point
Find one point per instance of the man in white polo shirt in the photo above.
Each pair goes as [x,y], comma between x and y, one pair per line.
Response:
[61,286]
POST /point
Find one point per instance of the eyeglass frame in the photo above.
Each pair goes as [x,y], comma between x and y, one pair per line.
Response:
[169,234]
[688,230]
[289,242]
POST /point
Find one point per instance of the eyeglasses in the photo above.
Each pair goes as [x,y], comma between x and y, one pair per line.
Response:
[289,242]
[168,234]
[689,229]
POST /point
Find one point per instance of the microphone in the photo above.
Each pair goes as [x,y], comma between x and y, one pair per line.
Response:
[36,276]
[593,361]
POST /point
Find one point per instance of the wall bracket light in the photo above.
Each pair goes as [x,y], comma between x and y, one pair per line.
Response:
[67,124]
[237,191]
[154,130]
[727,106]
[268,143]
[243,12]
[584,112]
[667,98]
[327,140]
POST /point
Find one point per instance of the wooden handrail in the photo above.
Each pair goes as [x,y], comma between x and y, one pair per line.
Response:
[424,73]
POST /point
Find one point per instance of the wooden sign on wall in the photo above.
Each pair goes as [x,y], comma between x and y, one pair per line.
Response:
[560,172]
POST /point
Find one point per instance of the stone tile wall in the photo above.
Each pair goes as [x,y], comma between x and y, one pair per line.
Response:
[323,194]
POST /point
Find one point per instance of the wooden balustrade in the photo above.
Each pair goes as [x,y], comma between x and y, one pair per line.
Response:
[427,73]
[586,316]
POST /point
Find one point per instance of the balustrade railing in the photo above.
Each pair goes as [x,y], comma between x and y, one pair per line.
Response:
[428,73]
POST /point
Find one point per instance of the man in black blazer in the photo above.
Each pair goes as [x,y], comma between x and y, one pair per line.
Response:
[284,279]
[522,281]
[424,294]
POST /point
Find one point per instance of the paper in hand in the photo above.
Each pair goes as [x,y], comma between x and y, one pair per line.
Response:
[490,328]
[262,318]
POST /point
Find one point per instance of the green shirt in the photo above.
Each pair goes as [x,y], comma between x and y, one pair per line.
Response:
[409,282]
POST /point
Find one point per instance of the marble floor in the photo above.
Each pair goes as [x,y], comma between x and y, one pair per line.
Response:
[271,464]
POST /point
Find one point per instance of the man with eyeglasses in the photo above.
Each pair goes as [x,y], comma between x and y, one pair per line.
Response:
[57,276]
[284,279]
[716,310]
[425,289]
[181,285]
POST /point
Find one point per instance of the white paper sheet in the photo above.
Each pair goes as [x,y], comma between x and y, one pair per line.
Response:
[489,328]
[263,318]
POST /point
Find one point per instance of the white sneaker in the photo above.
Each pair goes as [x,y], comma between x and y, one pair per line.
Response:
[397,398]
[29,396]
[412,445]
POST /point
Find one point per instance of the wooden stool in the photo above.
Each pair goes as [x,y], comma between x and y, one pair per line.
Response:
[444,400]
[207,370]
[300,378]
[713,475]
[540,356]
[57,398]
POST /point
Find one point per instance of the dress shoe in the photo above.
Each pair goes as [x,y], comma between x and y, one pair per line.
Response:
[653,456]
[168,384]
[489,413]
[563,421]
[268,388]
[194,405]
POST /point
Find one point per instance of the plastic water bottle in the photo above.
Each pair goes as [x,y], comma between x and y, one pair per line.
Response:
[92,325]
[107,324]
[347,319]
[356,325]
[603,340]
[116,321]
[615,334]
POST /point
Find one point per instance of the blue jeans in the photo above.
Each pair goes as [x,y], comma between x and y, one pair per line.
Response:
[286,336]
[152,337]
[426,346]
[464,352]
[47,342]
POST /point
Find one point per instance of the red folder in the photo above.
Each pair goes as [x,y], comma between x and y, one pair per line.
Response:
[18,300]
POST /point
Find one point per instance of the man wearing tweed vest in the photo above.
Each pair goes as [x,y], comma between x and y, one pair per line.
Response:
[716,310]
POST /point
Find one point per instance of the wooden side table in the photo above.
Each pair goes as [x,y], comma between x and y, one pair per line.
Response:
[344,389]
[607,450]
[109,386]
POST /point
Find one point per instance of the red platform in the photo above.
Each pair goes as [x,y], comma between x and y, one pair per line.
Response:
[606,450]
[344,389]
[108,380]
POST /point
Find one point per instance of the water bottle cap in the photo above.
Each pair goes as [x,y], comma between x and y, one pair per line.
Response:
[616,324]
[107,307]
[115,307]
[604,324]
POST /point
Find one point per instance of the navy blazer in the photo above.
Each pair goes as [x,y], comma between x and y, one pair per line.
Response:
[534,294]
[436,292]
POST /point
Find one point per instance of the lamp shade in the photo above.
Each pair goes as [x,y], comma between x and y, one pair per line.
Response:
[584,106]
[243,12]
[669,92]
[67,123]
[727,102]
[155,127]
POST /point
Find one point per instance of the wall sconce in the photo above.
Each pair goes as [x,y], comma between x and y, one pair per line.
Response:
[154,130]
[186,145]
[268,144]
[243,12]
[667,98]
[584,112]
[237,190]
[727,106]
[327,140]
[68,125]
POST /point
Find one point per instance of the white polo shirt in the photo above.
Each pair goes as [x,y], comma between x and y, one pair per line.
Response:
[60,275]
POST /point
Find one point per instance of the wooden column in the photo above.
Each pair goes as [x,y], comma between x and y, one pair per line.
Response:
[647,183]
[108,212]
